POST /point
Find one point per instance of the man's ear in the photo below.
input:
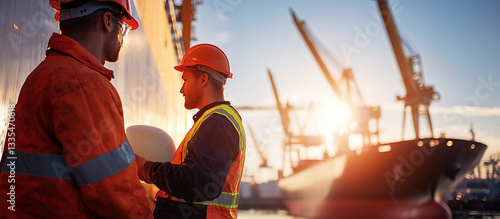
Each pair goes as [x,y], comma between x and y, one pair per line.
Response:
[204,79]
[106,21]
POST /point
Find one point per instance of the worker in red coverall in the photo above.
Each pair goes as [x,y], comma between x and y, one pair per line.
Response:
[73,159]
[203,180]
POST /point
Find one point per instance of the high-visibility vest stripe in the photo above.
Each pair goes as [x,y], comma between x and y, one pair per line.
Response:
[225,199]
[228,200]
[222,109]
[54,166]
[232,117]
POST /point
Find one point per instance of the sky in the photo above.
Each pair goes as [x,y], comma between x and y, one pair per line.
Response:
[458,42]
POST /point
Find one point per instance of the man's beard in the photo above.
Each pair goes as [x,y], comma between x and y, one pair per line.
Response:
[191,101]
[112,47]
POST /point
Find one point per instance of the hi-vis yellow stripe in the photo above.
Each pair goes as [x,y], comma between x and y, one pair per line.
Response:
[227,200]
[224,110]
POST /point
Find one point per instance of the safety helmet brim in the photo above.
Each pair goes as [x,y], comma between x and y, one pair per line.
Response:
[124,4]
[206,55]
[130,20]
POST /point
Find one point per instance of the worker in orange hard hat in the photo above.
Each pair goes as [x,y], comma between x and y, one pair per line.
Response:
[73,157]
[203,180]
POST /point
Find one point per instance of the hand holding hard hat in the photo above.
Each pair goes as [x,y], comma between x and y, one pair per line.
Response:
[151,143]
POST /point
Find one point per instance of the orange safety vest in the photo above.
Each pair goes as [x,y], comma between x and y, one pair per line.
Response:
[226,205]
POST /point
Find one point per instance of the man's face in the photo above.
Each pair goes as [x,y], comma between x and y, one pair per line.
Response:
[191,89]
[114,43]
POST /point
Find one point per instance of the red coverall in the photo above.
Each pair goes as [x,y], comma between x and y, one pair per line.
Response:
[73,157]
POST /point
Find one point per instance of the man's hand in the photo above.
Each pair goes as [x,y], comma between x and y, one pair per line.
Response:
[140,167]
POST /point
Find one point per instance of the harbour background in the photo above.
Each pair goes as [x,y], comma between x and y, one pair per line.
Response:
[455,38]
[269,39]
[454,114]
[252,214]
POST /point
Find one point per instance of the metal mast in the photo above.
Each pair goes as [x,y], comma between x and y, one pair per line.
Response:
[418,95]
[363,113]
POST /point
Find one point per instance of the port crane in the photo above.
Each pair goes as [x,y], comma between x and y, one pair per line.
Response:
[259,149]
[491,165]
[290,137]
[363,114]
[418,95]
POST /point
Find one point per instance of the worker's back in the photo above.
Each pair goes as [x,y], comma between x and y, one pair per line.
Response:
[69,115]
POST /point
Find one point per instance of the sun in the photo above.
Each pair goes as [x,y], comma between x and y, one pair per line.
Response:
[333,116]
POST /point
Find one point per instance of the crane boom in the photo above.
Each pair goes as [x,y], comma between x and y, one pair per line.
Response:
[285,119]
[417,93]
[259,149]
[186,15]
[363,113]
[310,44]
[404,66]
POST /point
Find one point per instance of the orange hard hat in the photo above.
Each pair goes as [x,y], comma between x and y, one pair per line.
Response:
[206,55]
[88,7]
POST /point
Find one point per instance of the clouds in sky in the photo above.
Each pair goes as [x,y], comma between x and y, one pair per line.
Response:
[467,111]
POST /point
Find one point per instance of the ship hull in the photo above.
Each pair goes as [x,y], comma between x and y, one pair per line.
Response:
[407,179]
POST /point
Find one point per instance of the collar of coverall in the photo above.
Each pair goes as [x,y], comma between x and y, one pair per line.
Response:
[64,44]
[207,107]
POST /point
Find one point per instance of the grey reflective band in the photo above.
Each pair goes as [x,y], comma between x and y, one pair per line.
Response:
[54,166]
[215,74]
[104,166]
[34,164]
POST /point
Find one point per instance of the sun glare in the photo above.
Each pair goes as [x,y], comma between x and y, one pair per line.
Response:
[333,117]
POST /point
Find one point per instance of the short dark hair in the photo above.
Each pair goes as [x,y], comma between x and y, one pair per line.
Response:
[77,28]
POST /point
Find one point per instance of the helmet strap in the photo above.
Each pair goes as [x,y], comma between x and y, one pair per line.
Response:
[215,74]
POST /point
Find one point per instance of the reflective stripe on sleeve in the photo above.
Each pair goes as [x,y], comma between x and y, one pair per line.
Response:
[104,166]
[54,166]
[34,164]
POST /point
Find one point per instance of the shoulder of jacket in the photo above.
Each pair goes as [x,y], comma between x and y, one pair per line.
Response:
[64,66]
[219,120]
